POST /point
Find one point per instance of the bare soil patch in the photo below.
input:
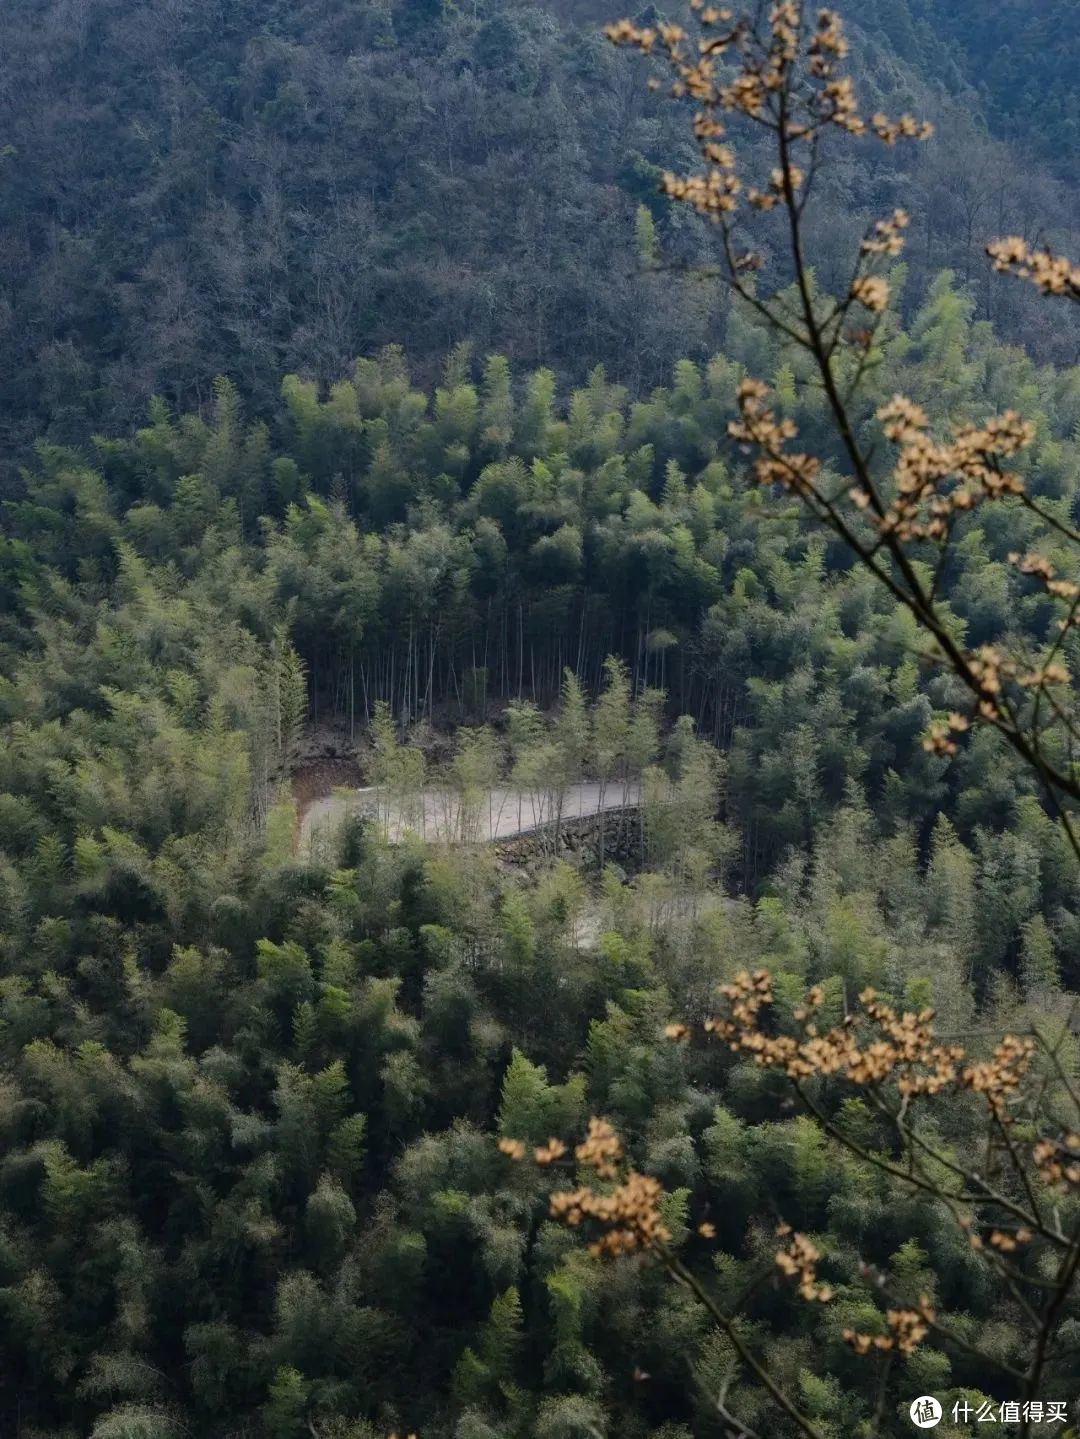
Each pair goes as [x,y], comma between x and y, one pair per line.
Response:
[319,778]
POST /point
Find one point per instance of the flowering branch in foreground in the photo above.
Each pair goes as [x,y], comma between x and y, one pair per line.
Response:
[1003,1204]
[1050,273]
[782,71]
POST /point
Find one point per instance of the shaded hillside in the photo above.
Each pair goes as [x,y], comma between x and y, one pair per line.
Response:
[252,189]
[1019,57]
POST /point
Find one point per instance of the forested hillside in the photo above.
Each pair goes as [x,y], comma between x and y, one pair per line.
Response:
[1019,59]
[250,189]
[411,384]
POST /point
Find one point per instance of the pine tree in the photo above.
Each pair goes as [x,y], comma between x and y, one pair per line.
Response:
[571,736]
[648,246]
[501,1336]
[526,1101]
[286,1405]
[497,406]
[610,733]
[346,1146]
[1038,960]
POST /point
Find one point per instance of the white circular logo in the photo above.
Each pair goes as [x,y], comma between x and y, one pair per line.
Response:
[925,1412]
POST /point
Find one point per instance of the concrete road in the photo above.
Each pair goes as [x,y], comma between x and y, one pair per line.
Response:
[439,816]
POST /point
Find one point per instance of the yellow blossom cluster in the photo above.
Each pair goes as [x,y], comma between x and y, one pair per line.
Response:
[759,426]
[932,480]
[872,292]
[997,1079]
[939,739]
[902,420]
[828,45]
[887,236]
[1032,564]
[746,995]
[1058,1163]
[988,668]
[909,1328]
[624,32]
[713,194]
[1045,571]
[907,1048]
[1009,1243]
[601,1149]
[1049,674]
[782,78]
[906,128]
[863,1343]
[710,14]
[922,509]
[747,94]
[784,21]
[902,1050]
[798,1259]
[629,1214]
[1050,273]
[775,194]
[838,105]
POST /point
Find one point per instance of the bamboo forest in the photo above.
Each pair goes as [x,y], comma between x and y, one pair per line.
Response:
[539,743]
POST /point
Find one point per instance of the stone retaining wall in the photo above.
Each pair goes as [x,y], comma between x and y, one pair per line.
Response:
[579,841]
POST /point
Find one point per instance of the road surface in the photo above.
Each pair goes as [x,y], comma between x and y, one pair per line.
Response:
[438,814]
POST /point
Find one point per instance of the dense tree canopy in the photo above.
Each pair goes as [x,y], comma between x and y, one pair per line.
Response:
[248,189]
[268,1091]
[1019,59]
[362,393]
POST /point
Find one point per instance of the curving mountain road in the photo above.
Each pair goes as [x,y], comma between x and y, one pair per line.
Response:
[439,817]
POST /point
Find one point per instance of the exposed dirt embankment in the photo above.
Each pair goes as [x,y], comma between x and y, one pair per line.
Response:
[316,779]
